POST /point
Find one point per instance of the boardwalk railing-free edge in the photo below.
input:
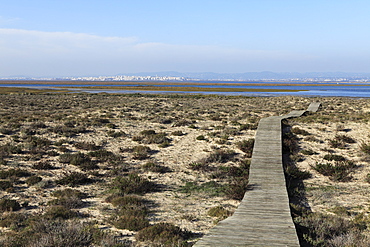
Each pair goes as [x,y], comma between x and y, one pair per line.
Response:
[263,217]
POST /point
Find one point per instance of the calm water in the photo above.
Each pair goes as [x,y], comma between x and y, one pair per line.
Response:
[342,90]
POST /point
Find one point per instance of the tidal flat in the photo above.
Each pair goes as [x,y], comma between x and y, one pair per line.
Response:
[161,170]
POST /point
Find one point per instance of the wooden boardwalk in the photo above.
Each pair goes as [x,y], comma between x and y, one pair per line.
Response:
[263,217]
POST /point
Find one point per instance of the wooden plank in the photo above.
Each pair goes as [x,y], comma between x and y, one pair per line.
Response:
[263,217]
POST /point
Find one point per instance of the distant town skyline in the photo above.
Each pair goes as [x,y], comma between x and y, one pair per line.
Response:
[43,38]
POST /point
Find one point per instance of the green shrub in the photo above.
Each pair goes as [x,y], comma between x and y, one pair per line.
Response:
[68,131]
[104,155]
[69,193]
[182,122]
[43,165]
[219,212]
[365,147]
[86,146]
[141,152]
[74,179]
[320,228]
[248,126]
[164,234]
[218,156]
[340,171]
[115,134]
[59,212]
[246,146]
[151,137]
[340,141]
[121,201]
[153,167]
[177,133]
[78,159]
[133,184]
[67,202]
[13,220]
[211,188]
[299,131]
[290,143]
[201,138]
[4,185]
[345,139]
[236,189]
[308,152]
[132,223]
[9,205]
[8,149]
[334,157]
[232,171]
[200,166]
[294,172]
[33,180]
[14,173]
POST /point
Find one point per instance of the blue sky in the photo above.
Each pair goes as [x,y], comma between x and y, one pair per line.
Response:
[90,37]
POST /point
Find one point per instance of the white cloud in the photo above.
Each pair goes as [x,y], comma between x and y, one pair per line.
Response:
[38,53]
[7,21]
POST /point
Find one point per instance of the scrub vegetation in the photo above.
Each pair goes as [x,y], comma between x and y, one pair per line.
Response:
[161,170]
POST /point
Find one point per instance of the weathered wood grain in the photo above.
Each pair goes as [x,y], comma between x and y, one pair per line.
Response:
[263,217]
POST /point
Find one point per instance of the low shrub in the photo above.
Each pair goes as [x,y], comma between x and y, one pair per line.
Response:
[43,165]
[67,202]
[318,229]
[164,234]
[308,152]
[334,157]
[211,188]
[293,172]
[141,152]
[9,205]
[200,166]
[122,201]
[340,171]
[74,179]
[69,193]
[132,223]
[218,156]
[201,138]
[14,220]
[151,137]
[312,139]
[14,173]
[290,143]
[248,126]
[219,212]
[299,131]
[33,180]
[153,167]
[246,146]
[86,146]
[177,133]
[236,189]
[340,141]
[78,159]
[115,134]
[133,184]
[59,212]
[365,147]
[232,171]
[104,155]
[182,122]
[4,185]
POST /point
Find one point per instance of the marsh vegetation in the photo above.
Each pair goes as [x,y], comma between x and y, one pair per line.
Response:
[161,170]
